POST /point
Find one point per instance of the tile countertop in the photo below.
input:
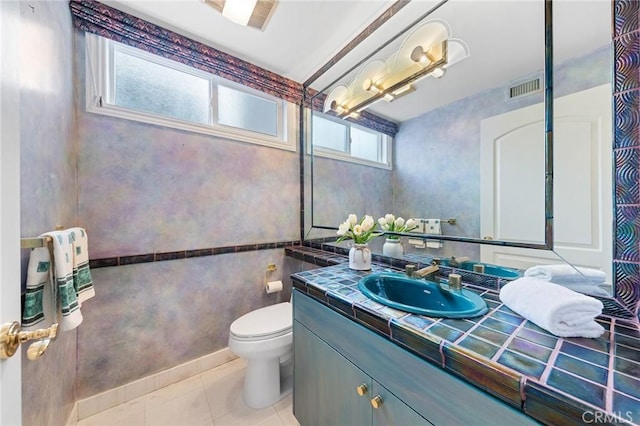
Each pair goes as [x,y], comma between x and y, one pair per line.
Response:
[554,380]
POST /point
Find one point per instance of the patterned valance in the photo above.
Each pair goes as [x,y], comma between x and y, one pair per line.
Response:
[105,21]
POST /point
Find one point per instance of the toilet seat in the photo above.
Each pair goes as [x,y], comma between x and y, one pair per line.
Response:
[264,323]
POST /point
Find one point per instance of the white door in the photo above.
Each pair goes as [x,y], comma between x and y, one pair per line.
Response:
[10,369]
[512,197]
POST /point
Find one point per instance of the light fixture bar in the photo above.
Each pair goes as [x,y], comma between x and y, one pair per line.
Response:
[399,85]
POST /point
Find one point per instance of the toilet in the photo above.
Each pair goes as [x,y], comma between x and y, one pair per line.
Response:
[264,338]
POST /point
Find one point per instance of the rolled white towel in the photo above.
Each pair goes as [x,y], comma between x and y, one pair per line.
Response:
[558,310]
[566,274]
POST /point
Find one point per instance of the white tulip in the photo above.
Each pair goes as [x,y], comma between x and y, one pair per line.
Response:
[343,228]
[357,230]
[353,219]
[410,223]
[367,223]
[382,222]
[399,222]
[389,218]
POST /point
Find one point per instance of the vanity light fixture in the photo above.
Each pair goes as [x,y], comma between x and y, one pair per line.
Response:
[251,13]
[428,51]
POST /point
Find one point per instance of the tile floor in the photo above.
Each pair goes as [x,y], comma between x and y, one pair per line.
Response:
[213,398]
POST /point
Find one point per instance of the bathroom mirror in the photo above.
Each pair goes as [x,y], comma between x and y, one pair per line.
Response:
[470,143]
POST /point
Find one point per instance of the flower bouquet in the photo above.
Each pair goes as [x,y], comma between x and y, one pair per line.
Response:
[390,223]
[361,232]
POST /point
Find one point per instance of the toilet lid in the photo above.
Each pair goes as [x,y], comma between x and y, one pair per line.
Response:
[266,321]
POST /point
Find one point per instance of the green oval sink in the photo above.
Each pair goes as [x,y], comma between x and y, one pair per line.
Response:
[420,296]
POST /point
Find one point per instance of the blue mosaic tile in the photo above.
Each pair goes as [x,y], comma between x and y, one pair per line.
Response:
[503,327]
[372,321]
[627,124]
[621,339]
[479,346]
[572,385]
[341,305]
[627,62]
[546,340]
[627,331]
[627,165]
[627,367]
[581,368]
[532,326]
[627,234]
[416,341]
[458,324]
[417,321]
[625,16]
[632,354]
[628,409]
[600,344]
[503,316]
[528,348]
[626,384]
[523,364]
[447,333]
[627,119]
[581,352]
[490,335]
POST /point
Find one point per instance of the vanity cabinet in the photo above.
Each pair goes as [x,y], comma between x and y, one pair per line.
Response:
[331,390]
[334,356]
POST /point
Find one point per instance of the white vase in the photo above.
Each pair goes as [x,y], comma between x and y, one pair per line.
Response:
[392,248]
[360,257]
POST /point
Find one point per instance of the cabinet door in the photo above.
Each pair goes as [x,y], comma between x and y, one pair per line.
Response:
[325,384]
[392,411]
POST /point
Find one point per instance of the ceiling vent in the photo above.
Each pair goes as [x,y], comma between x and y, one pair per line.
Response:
[524,88]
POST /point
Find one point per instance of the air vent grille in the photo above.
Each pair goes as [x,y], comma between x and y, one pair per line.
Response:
[525,88]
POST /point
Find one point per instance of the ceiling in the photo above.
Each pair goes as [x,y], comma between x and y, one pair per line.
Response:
[505,37]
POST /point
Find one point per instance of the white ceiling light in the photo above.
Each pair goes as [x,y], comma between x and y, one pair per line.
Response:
[239,11]
[250,13]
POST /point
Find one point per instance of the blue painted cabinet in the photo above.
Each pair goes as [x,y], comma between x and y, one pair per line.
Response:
[330,390]
[333,356]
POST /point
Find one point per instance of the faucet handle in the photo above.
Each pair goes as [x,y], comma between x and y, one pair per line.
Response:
[409,270]
[455,282]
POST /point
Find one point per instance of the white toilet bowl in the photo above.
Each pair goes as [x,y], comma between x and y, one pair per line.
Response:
[264,338]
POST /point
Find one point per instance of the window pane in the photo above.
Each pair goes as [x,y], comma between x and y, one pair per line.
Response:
[329,134]
[154,88]
[246,111]
[364,144]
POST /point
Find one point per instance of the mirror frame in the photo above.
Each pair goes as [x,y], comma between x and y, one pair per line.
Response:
[309,96]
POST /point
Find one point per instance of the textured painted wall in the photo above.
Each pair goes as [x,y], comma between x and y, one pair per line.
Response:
[146,189]
[48,184]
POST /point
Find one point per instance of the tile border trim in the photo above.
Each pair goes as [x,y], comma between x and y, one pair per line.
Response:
[184,254]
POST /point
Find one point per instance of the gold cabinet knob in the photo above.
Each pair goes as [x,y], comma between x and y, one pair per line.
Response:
[377,401]
[362,389]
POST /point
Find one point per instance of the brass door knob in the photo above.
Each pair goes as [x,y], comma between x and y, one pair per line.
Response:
[377,401]
[362,389]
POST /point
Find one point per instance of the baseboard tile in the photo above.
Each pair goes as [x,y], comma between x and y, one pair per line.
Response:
[116,396]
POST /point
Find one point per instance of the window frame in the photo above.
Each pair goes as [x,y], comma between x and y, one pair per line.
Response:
[100,84]
[385,143]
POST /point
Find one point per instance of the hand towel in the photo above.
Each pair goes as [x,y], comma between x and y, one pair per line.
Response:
[433,226]
[67,297]
[38,299]
[82,281]
[560,311]
[566,274]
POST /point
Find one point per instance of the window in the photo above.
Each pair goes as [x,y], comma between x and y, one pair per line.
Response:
[344,140]
[129,83]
